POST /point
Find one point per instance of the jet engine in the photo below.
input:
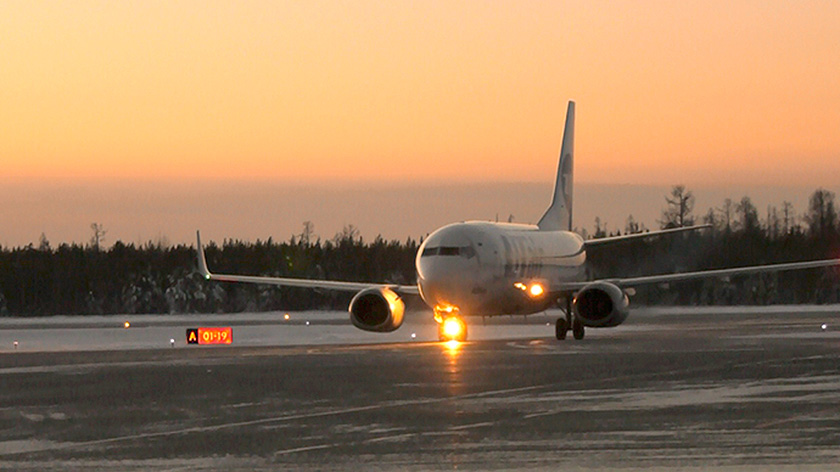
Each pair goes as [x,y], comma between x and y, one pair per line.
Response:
[377,309]
[601,305]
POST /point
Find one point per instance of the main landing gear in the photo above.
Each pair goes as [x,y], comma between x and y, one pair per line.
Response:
[563,325]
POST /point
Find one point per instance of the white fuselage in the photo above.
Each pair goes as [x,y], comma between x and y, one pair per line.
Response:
[487,269]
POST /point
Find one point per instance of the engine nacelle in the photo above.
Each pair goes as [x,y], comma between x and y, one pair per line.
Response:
[601,305]
[377,309]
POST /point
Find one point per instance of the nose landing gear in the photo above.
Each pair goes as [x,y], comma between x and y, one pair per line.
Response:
[451,327]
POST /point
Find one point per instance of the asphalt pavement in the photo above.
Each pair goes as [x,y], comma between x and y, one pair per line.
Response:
[737,389]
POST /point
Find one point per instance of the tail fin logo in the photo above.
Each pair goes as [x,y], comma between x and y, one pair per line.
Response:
[566,179]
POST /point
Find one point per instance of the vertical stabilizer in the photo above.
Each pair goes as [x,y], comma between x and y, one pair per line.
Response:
[559,214]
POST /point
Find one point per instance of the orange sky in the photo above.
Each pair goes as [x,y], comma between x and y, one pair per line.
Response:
[668,92]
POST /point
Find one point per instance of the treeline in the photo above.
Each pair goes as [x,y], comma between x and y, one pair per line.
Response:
[155,278]
[76,279]
[738,237]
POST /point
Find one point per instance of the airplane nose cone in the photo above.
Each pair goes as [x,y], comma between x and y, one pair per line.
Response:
[447,269]
[438,270]
[443,281]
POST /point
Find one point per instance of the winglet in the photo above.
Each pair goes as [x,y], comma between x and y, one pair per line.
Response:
[202,261]
[558,217]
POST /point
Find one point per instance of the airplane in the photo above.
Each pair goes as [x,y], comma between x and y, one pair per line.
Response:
[480,268]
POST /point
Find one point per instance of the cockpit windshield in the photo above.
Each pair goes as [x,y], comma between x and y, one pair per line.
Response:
[464,251]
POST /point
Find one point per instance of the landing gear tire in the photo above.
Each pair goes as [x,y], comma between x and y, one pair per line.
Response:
[578,329]
[560,329]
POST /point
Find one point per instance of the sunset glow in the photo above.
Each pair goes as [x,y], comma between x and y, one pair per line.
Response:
[185,106]
[667,91]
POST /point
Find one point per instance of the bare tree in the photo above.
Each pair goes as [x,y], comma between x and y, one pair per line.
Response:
[774,224]
[43,243]
[348,233]
[821,216]
[710,218]
[678,212]
[632,226]
[600,229]
[308,233]
[748,215]
[726,212]
[98,237]
[787,210]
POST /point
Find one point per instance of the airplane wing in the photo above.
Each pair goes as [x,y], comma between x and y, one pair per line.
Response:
[590,243]
[702,274]
[289,282]
[656,279]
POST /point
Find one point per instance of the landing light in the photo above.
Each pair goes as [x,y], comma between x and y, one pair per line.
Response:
[127,325]
[452,328]
[535,290]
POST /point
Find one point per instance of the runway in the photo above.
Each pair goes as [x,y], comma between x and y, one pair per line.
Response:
[690,389]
